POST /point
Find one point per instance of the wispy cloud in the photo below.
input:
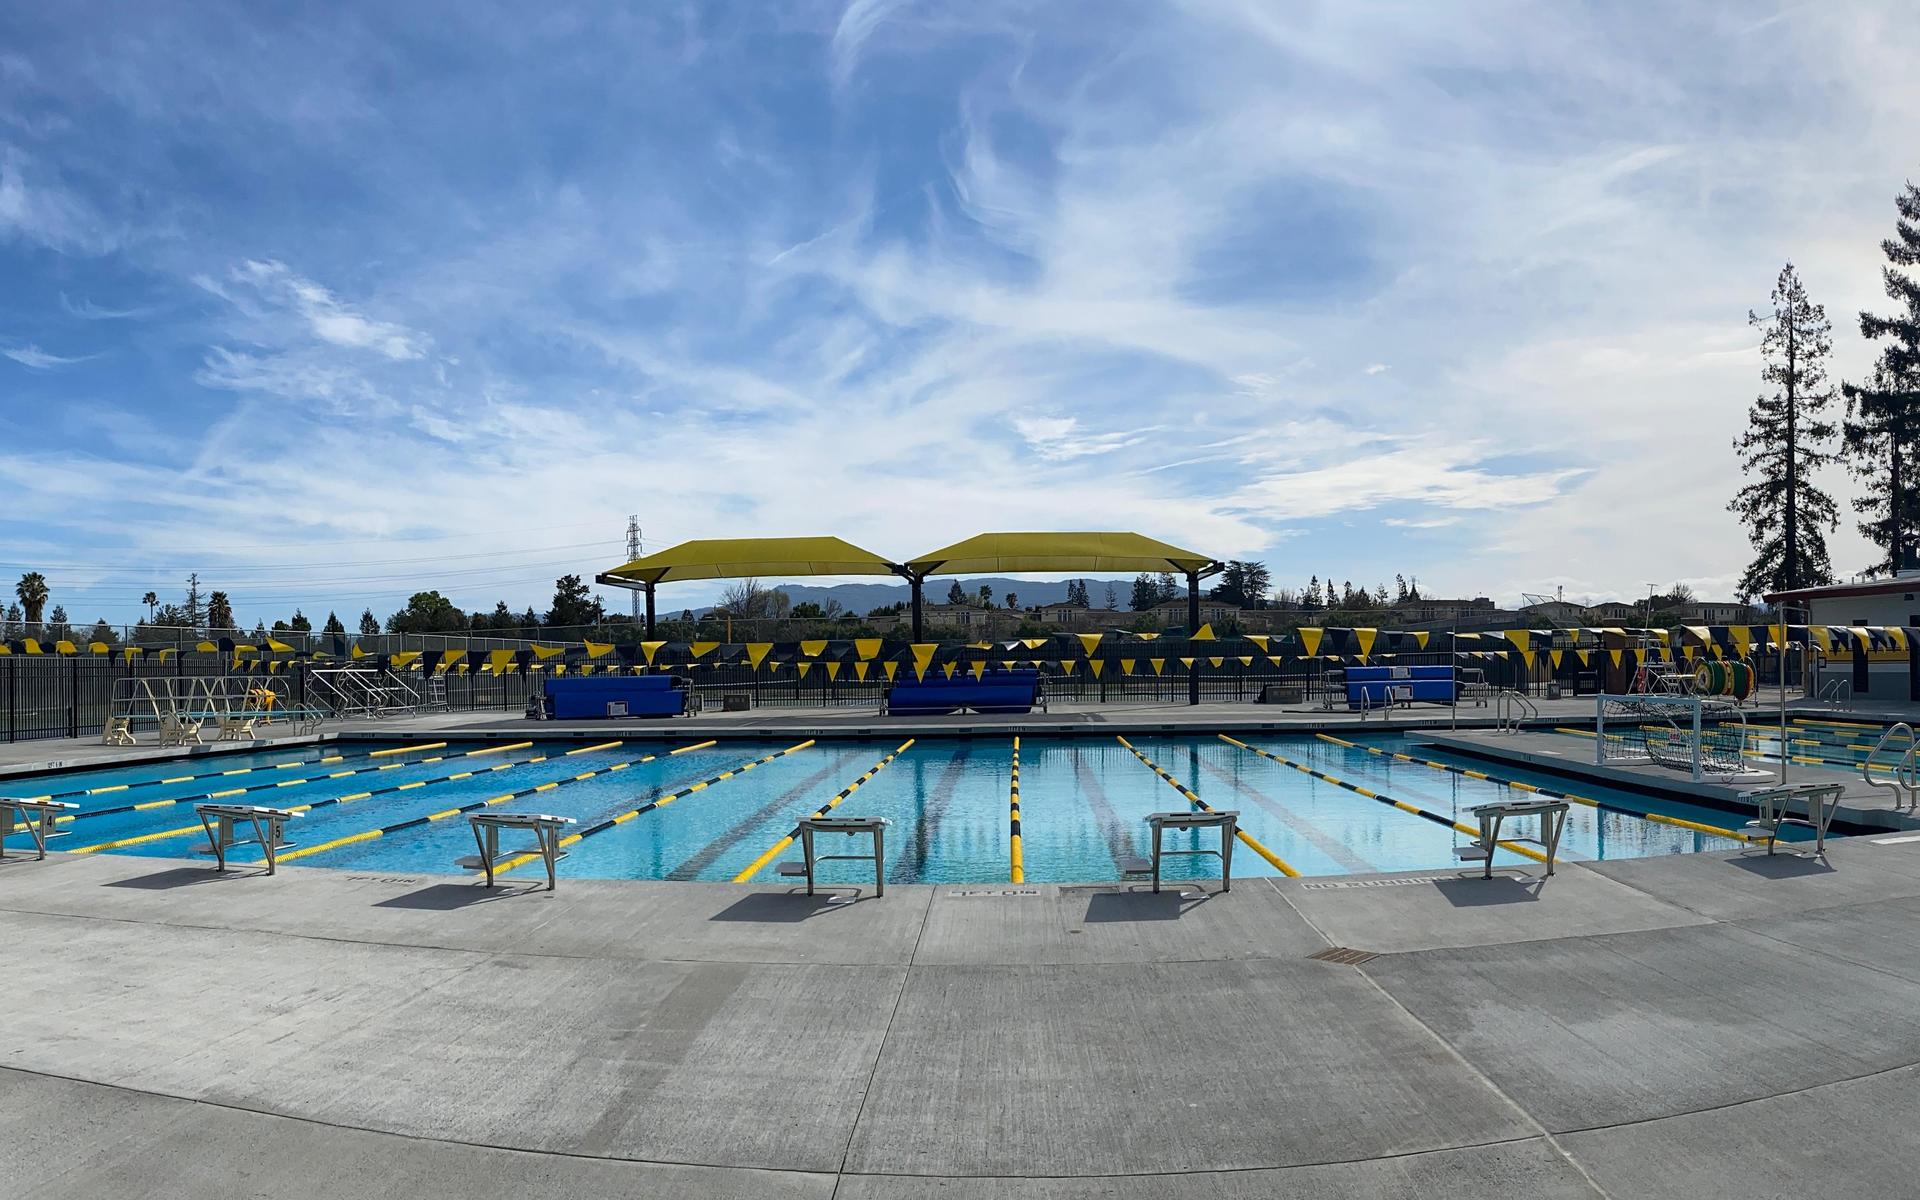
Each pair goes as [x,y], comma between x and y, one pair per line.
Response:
[34,358]
[1060,438]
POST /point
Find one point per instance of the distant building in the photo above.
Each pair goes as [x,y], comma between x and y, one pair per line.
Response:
[1072,618]
[1174,612]
[1716,613]
[1618,612]
[1424,611]
[1893,601]
[1558,613]
[968,618]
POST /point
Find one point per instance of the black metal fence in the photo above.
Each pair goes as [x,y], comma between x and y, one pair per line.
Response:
[50,696]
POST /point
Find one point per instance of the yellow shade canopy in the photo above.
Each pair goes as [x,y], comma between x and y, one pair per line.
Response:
[994,553]
[739,558]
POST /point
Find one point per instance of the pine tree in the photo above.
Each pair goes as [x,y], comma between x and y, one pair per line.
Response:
[1169,590]
[369,624]
[1787,438]
[195,614]
[1883,415]
[1146,593]
[1310,599]
[333,624]
[956,594]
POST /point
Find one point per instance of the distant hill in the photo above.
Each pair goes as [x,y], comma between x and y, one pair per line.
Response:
[863,598]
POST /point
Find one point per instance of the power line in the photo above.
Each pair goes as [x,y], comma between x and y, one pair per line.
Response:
[164,565]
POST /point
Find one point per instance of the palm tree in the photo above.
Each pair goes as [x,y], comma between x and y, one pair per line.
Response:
[150,599]
[32,590]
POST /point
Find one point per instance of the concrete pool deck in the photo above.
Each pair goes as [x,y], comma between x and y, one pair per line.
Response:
[1704,1025]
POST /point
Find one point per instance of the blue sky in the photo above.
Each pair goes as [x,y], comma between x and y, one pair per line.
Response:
[326,304]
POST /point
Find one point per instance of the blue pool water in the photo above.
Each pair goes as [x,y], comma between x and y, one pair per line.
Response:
[1083,805]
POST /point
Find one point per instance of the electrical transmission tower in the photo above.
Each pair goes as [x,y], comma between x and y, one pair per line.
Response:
[633,552]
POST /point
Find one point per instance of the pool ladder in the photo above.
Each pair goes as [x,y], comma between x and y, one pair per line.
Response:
[1510,708]
[1905,772]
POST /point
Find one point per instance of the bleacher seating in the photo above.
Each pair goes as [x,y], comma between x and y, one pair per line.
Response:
[1367,686]
[587,696]
[1016,691]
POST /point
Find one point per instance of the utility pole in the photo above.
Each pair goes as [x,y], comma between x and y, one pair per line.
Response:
[633,552]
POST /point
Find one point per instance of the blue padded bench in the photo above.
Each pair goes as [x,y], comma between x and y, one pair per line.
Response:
[993,692]
[1433,685]
[588,696]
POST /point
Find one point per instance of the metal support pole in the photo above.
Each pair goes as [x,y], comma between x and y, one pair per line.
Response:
[1193,627]
[649,612]
[916,583]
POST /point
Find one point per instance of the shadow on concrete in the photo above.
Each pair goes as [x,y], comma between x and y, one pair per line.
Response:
[445,897]
[1781,866]
[786,908]
[1472,891]
[1169,904]
[174,877]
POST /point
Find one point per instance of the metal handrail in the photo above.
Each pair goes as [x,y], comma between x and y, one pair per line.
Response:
[1507,706]
[1905,772]
[1832,692]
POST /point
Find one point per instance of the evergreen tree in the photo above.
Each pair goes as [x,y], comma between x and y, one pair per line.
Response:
[1399,589]
[300,623]
[369,624]
[1169,590]
[1883,415]
[1310,599]
[57,628]
[986,596]
[103,632]
[219,614]
[15,625]
[1242,584]
[194,613]
[573,604]
[1112,597]
[1146,593]
[333,624]
[956,594]
[1787,438]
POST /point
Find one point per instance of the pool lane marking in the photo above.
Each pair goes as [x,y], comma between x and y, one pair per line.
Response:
[1604,805]
[1018,873]
[521,860]
[1119,835]
[774,850]
[223,793]
[727,842]
[1329,846]
[1279,864]
[1381,797]
[415,822]
[184,830]
[285,766]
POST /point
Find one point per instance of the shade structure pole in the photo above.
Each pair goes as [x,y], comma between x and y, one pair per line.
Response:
[915,582]
[649,612]
[1193,627]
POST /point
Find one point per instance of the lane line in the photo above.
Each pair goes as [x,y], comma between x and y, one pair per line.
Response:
[773,851]
[1018,873]
[1279,863]
[185,830]
[285,766]
[522,860]
[1607,806]
[1381,797]
[725,843]
[1118,834]
[223,793]
[369,835]
[1332,847]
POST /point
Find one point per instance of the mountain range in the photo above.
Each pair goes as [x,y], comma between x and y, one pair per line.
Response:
[863,598]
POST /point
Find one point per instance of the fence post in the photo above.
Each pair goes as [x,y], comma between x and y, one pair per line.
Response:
[73,695]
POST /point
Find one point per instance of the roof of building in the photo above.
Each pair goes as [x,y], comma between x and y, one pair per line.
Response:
[1839,591]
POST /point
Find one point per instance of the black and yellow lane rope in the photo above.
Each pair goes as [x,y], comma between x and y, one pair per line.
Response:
[1516,785]
[1381,797]
[774,850]
[1252,843]
[224,793]
[285,766]
[368,835]
[521,860]
[1018,874]
[331,801]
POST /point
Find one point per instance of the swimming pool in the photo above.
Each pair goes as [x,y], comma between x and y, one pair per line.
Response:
[714,810]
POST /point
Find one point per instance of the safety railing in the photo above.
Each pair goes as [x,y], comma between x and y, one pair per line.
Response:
[1904,774]
[1512,709]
